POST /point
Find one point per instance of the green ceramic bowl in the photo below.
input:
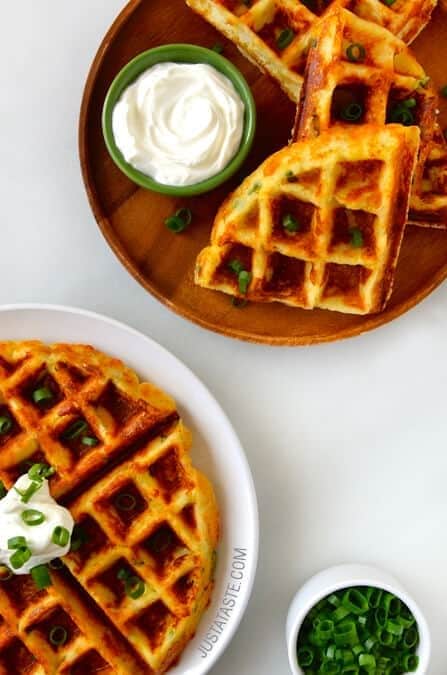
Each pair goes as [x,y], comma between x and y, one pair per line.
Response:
[179,53]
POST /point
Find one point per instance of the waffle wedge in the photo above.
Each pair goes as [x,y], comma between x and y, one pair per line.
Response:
[428,206]
[275,34]
[132,591]
[318,224]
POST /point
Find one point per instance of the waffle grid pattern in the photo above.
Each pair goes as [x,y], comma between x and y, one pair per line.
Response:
[333,184]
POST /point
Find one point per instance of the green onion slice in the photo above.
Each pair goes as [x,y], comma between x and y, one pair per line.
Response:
[90,441]
[125,502]
[60,536]
[20,557]
[355,601]
[356,52]
[41,576]
[31,490]
[3,490]
[42,396]
[305,656]
[32,517]
[285,38]
[402,115]
[290,223]
[38,472]
[356,241]
[352,113]
[134,587]
[179,221]
[17,542]
[58,636]
[235,266]
[244,279]
[75,430]
[5,425]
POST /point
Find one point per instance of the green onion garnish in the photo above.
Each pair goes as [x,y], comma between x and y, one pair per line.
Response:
[32,517]
[41,576]
[290,223]
[352,113]
[60,536]
[125,502]
[32,488]
[38,472]
[75,430]
[244,279]
[356,52]
[402,115]
[235,266]
[3,490]
[42,396]
[356,237]
[58,636]
[134,587]
[17,542]
[368,639]
[20,557]
[90,441]
[291,177]
[5,424]
[179,221]
[5,573]
[254,188]
[285,38]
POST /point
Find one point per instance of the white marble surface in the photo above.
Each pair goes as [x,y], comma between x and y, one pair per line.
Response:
[347,442]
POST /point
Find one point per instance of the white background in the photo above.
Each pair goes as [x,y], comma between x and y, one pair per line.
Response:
[347,442]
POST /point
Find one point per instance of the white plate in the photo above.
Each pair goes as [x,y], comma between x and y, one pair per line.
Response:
[216,450]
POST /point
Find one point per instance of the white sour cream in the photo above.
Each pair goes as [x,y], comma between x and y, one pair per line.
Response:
[38,537]
[179,123]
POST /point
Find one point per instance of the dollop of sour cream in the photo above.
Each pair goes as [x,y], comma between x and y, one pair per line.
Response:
[38,537]
[179,123]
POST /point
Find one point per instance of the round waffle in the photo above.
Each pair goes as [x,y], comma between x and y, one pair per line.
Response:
[143,512]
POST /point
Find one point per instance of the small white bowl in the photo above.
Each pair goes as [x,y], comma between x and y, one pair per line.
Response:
[345,576]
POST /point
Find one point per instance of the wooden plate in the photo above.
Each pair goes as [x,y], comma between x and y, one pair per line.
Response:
[132,219]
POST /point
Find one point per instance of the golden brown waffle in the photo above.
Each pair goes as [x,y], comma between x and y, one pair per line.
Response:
[428,205]
[319,224]
[357,67]
[275,34]
[141,508]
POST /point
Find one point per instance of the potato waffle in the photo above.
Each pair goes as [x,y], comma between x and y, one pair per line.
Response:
[428,205]
[318,224]
[275,34]
[143,514]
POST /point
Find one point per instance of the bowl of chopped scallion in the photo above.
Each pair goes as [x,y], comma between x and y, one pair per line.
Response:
[356,620]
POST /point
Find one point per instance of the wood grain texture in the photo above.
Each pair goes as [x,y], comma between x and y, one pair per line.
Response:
[132,219]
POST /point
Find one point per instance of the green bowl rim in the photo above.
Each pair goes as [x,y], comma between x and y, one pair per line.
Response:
[180,53]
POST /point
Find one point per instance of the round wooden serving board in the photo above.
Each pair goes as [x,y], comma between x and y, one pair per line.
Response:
[132,219]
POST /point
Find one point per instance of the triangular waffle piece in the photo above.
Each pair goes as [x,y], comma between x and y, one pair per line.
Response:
[359,73]
[275,34]
[147,520]
[318,224]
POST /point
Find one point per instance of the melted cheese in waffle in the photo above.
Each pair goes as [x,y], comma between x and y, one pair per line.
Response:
[348,193]
[139,505]
[275,34]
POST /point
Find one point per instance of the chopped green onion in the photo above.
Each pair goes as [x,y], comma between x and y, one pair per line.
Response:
[38,472]
[356,52]
[3,490]
[90,441]
[244,279]
[410,662]
[305,656]
[125,502]
[325,629]
[391,604]
[410,637]
[352,113]
[374,596]
[424,82]
[218,48]
[75,430]
[402,115]
[179,221]
[20,557]
[443,91]
[394,628]
[123,574]
[31,490]
[32,517]
[254,188]
[410,103]
[290,223]
[356,241]
[291,177]
[340,613]
[41,576]
[16,542]
[381,616]
[285,38]
[5,425]
[345,633]
[58,636]
[60,536]
[42,396]
[5,573]
[367,661]
[355,601]
[235,266]
[334,600]
[134,587]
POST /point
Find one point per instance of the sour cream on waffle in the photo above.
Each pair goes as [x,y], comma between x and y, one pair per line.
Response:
[179,123]
[14,516]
